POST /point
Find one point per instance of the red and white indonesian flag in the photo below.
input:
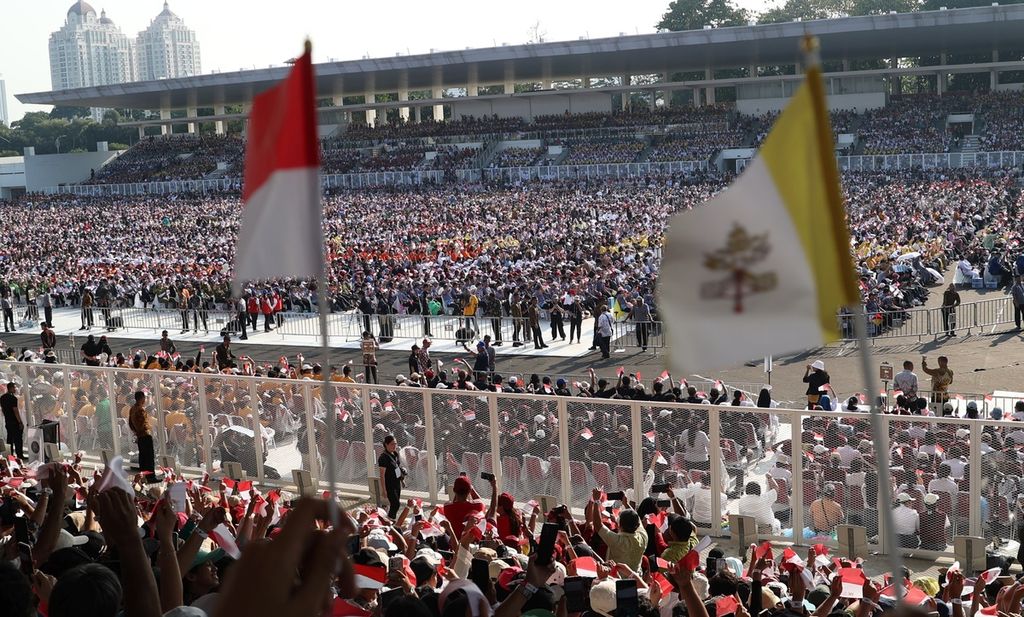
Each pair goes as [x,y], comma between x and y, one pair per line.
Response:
[370,577]
[281,233]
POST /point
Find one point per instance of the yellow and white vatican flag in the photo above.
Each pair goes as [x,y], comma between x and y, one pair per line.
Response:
[763,267]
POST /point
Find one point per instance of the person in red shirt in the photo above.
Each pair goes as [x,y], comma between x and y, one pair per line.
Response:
[464,503]
[252,307]
[267,308]
[278,308]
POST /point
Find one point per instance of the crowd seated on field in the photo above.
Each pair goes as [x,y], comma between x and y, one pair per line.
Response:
[132,244]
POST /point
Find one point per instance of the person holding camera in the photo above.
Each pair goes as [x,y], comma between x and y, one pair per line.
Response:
[392,475]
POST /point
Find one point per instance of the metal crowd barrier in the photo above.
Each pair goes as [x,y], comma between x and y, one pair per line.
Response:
[535,445]
[934,322]
[350,326]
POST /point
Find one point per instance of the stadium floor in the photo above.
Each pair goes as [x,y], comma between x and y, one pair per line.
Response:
[981,362]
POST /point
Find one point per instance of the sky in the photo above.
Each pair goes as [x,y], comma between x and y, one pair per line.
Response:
[236,34]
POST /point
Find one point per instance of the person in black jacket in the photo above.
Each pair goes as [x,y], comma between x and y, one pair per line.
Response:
[575,311]
[815,377]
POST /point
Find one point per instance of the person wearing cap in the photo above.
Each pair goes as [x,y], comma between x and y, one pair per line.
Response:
[933,525]
[202,576]
[464,502]
[906,522]
[815,377]
[942,378]
[628,544]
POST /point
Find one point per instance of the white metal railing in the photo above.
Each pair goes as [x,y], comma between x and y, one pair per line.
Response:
[535,445]
[871,162]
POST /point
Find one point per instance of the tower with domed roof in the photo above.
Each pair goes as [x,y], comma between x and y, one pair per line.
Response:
[167,48]
[89,50]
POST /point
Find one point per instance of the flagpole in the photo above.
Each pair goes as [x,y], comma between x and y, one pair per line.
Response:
[323,306]
[880,435]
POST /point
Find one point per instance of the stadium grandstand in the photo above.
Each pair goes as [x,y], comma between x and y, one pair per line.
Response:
[473,202]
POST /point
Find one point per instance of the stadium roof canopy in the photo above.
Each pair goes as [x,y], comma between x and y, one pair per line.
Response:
[978,29]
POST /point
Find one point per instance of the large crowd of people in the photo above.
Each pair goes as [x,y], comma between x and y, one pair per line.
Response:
[907,124]
[488,248]
[155,542]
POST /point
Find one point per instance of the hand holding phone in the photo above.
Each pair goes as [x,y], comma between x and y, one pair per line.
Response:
[627,602]
[546,549]
[489,477]
[616,496]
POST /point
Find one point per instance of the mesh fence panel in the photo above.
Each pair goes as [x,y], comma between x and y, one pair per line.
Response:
[1001,475]
[528,437]
[600,450]
[181,422]
[350,442]
[747,436]
[230,409]
[282,409]
[461,437]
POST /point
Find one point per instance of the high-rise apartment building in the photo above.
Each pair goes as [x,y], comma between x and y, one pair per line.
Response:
[167,48]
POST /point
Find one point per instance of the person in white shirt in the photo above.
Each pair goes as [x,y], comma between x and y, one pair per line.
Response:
[779,472]
[906,380]
[906,522]
[697,498]
[848,452]
[694,443]
[759,505]
[956,467]
[942,483]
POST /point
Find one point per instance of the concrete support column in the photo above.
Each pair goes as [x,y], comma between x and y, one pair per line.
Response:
[940,83]
[416,113]
[993,79]
[371,114]
[846,64]
[995,55]
[709,95]
[586,82]
[626,80]
[751,70]
[218,125]
[142,133]
[473,81]
[652,103]
[696,97]
[403,112]
[246,108]
[510,78]
[190,112]
[437,92]
[942,57]
[165,114]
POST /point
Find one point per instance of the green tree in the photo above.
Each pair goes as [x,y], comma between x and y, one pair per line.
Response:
[882,7]
[69,113]
[695,14]
[805,10]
